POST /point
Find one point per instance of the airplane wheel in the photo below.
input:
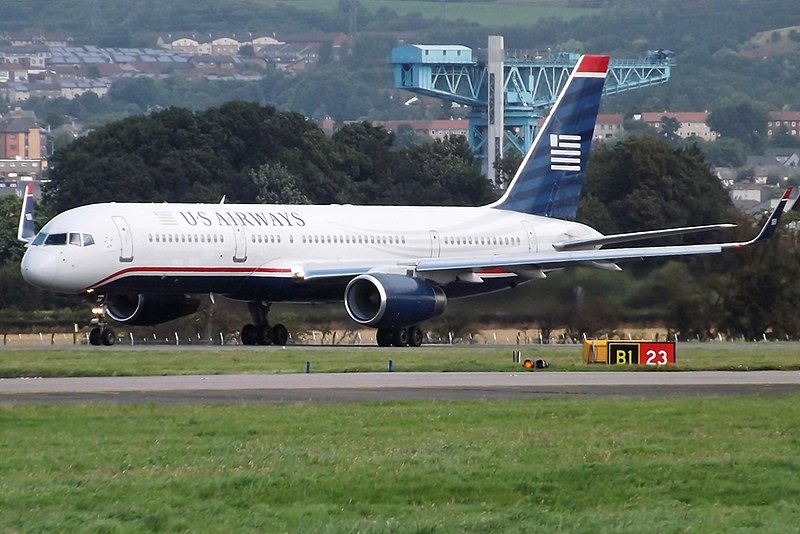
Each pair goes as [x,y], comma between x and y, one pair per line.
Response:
[94,336]
[264,335]
[249,335]
[280,335]
[415,336]
[383,337]
[107,337]
[400,337]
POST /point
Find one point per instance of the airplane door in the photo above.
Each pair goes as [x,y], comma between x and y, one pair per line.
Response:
[125,238]
[240,244]
[532,245]
[436,246]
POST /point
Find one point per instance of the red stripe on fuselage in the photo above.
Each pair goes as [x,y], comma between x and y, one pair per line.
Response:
[192,270]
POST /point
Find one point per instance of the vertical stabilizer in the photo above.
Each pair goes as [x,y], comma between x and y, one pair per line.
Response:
[549,180]
[26,230]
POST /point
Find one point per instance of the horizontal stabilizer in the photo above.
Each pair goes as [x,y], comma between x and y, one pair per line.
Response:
[26,231]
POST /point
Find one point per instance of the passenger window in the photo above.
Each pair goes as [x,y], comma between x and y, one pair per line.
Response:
[75,239]
[56,239]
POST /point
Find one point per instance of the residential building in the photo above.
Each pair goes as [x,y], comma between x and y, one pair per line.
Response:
[783,121]
[775,163]
[690,123]
[607,126]
[33,55]
[435,129]
[27,37]
[22,147]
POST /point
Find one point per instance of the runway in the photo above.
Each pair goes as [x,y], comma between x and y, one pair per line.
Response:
[350,387]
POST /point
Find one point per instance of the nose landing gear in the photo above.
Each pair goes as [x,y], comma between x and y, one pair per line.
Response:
[101,333]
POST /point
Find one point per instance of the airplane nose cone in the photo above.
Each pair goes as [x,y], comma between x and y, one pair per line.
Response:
[39,268]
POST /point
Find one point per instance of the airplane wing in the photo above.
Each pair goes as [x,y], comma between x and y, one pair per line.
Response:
[557,259]
[580,244]
[535,263]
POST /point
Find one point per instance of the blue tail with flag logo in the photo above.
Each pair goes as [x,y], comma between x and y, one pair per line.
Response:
[549,180]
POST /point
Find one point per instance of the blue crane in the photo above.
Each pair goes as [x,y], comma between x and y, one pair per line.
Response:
[530,84]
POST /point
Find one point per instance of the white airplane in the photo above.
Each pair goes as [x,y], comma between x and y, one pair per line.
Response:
[393,266]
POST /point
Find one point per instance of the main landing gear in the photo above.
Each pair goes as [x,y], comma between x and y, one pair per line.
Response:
[261,333]
[413,336]
[101,333]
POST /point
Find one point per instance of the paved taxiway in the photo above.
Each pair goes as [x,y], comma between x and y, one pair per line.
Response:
[336,387]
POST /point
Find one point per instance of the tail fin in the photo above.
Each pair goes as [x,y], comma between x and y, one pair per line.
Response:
[549,180]
[26,230]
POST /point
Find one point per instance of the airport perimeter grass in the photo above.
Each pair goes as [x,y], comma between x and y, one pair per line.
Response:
[611,465]
[184,360]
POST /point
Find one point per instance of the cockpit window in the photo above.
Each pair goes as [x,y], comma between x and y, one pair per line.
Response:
[88,240]
[56,239]
[75,239]
[39,239]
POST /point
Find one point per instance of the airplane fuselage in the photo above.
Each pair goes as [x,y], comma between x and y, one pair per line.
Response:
[249,251]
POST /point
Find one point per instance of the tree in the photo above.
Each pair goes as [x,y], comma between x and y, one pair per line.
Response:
[646,184]
[11,250]
[277,185]
[442,173]
[740,119]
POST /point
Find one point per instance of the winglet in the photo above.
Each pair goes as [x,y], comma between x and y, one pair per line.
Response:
[770,226]
[26,231]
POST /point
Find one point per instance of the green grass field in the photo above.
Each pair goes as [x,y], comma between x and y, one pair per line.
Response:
[496,13]
[611,465]
[139,361]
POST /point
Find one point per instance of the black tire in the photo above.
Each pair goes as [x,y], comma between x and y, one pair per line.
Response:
[383,337]
[280,335]
[94,336]
[415,336]
[400,337]
[264,335]
[249,335]
[108,337]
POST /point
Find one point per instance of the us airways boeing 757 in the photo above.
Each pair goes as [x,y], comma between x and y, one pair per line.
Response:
[393,266]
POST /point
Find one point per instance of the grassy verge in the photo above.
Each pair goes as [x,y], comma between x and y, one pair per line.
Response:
[496,13]
[632,465]
[125,361]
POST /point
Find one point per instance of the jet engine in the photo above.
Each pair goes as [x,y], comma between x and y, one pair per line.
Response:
[392,300]
[146,309]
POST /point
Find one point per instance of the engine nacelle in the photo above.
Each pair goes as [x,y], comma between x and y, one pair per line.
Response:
[392,300]
[146,309]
